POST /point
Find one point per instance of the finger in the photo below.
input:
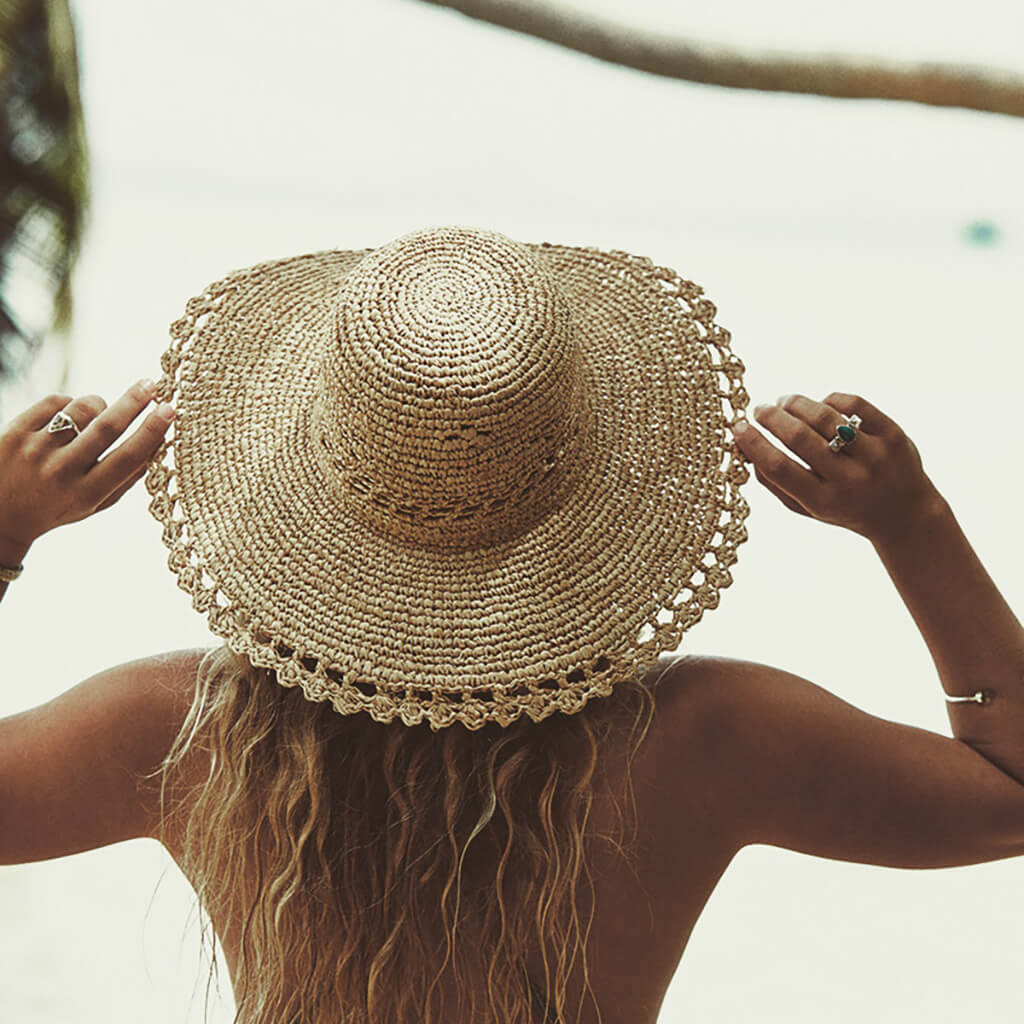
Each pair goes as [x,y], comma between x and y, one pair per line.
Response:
[127,458]
[779,468]
[117,492]
[82,411]
[108,426]
[38,414]
[821,416]
[803,426]
[874,421]
[790,503]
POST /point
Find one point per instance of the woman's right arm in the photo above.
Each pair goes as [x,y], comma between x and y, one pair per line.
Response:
[815,773]
[790,764]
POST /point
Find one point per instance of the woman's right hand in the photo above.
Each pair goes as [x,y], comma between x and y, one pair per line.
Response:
[875,486]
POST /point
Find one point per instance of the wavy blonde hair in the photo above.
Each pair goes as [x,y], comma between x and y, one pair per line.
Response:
[337,845]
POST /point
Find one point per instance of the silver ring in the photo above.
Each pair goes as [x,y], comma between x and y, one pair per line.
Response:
[846,433]
[62,421]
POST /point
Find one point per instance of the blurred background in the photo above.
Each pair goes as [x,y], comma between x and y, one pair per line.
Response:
[860,245]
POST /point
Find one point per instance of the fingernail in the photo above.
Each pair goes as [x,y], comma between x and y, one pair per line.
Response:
[165,411]
[738,427]
[147,385]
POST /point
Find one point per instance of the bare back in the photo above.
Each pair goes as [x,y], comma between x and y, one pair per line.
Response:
[740,754]
[642,921]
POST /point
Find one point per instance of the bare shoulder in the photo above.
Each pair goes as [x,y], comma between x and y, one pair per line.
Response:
[75,768]
[169,680]
[172,675]
[697,691]
[737,730]
[798,767]
[683,774]
[731,694]
[744,715]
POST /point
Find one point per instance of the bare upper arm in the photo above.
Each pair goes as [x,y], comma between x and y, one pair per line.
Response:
[802,769]
[71,769]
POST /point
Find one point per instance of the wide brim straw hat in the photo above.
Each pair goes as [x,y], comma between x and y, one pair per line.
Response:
[455,478]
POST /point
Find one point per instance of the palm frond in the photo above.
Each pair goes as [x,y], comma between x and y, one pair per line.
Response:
[44,176]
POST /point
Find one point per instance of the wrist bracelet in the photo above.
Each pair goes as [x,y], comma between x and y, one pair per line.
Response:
[10,574]
[981,697]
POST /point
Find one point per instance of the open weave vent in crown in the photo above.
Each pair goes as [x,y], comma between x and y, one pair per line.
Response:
[456,478]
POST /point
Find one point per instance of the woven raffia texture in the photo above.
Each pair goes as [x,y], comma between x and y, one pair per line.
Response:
[456,478]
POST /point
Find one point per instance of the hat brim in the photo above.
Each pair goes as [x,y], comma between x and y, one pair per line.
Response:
[542,623]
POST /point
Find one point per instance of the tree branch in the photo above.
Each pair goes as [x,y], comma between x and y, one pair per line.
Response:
[935,84]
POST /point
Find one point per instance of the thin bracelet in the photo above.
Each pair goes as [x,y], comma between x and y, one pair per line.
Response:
[10,574]
[980,697]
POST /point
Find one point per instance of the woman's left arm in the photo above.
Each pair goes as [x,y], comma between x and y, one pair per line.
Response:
[69,768]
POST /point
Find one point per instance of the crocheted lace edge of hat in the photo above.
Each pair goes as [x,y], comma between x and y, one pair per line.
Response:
[538,699]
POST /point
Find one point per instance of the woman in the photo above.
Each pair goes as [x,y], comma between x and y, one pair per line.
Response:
[474,487]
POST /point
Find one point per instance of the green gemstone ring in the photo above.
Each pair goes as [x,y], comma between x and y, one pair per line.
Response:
[846,433]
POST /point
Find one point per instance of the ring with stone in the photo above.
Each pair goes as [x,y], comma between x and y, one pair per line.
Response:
[846,433]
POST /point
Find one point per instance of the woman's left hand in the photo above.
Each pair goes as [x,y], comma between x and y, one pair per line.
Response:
[49,479]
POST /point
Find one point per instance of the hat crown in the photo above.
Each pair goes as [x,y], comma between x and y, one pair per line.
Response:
[452,400]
